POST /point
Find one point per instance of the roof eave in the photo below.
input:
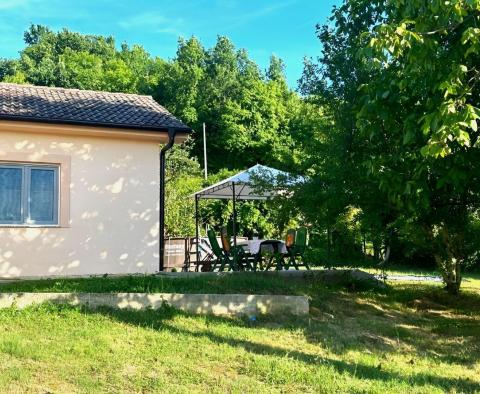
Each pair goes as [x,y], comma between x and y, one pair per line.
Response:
[163,129]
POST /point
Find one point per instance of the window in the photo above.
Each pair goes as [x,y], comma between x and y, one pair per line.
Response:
[28,194]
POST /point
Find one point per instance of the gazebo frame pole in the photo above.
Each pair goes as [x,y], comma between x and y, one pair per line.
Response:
[196,234]
[234,216]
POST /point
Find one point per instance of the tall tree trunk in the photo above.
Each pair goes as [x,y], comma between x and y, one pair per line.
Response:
[448,261]
[376,249]
[450,270]
[364,242]
[328,241]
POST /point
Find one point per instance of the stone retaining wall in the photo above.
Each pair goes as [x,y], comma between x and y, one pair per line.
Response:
[215,304]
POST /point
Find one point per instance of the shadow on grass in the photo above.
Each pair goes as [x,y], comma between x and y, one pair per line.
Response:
[160,320]
[435,324]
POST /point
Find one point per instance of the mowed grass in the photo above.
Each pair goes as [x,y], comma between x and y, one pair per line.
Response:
[249,283]
[410,338]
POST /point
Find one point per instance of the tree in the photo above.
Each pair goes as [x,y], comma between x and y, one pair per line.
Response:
[334,148]
[420,117]
[183,177]
[399,80]
[73,60]
[276,69]
[247,113]
[179,88]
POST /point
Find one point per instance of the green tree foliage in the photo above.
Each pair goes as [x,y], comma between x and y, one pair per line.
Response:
[247,112]
[424,103]
[73,60]
[183,177]
[335,149]
[400,80]
[178,89]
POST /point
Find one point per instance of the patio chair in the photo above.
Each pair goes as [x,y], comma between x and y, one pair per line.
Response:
[239,259]
[227,247]
[222,259]
[297,249]
[290,239]
[208,256]
[205,257]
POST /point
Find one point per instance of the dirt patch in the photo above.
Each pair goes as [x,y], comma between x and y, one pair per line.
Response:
[424,305]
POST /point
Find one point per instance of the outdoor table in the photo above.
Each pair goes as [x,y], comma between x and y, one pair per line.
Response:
[254,245]
[277,249]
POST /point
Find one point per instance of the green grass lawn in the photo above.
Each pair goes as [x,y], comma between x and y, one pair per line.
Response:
[409,338]
[227,283]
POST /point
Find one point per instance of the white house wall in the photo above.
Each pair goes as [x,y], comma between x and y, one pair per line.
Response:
[112,218]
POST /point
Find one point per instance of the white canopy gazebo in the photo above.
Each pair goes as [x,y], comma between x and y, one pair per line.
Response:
[256,183]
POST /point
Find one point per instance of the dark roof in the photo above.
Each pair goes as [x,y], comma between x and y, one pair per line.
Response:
[84,107]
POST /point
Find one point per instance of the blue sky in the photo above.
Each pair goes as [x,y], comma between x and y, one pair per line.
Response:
[285,28]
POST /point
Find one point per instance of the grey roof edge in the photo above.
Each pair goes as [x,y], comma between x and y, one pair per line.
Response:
[76,90]
[185,129]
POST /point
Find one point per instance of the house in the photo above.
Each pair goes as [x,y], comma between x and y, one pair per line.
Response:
[79,181]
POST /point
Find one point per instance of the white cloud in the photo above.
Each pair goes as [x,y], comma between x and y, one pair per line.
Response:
[143,19]
[153,22]
[12,4]
[242,19]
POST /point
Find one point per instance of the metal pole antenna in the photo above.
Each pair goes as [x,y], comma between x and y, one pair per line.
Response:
[205,149]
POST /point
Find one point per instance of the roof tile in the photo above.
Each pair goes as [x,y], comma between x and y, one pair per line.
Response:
[47,104]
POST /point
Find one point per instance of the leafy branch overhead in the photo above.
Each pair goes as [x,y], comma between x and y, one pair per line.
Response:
[431,51]
[400,78]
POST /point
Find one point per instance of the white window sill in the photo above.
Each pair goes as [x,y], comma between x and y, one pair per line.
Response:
[31,226]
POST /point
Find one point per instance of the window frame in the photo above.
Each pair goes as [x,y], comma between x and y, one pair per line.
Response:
[26,169]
